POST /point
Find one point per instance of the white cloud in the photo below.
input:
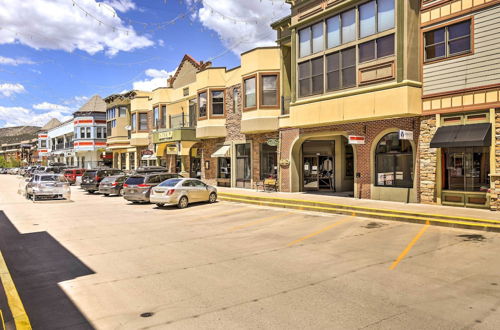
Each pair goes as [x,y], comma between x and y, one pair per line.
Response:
[121,5]
[10,89]
[159,79]
[52,107]
[57,24]
[15,61]
[19,116]
[241,25]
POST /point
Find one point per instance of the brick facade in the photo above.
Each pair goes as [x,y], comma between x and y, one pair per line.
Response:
[428,160]
[364,159]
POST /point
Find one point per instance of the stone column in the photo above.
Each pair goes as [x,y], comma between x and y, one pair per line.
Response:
[428,160]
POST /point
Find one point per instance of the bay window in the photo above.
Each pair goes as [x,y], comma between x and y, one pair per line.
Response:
[250,95]
[133,122]
[217,103]
[143,121]
[163,116]
[269,90]
[123,112]
[311,77]
[202,105]
[341,69]
[377,48]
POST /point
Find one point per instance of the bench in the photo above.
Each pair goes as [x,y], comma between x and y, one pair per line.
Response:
[268,185]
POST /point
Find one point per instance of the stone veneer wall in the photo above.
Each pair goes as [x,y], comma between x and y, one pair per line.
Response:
[233,128]
[364,158]
[495,191]
[428,160]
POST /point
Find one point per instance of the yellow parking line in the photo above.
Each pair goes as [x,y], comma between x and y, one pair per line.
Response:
[318,232]
[21,319]
[408,248]
[1,319]
[259,221]
[221,214]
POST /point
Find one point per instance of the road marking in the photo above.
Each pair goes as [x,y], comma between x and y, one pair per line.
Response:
[318,232]
[1,319]
[15,304]
[408,248]
[259,221]
[221,214]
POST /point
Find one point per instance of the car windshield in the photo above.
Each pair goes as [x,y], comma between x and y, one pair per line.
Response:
[170,183]
[108,179]
[135,180]
[89,173]
[48,178]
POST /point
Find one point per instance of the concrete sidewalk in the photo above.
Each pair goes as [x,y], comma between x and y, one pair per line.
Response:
[380,205]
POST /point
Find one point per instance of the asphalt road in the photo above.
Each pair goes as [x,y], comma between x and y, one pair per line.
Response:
[100,262]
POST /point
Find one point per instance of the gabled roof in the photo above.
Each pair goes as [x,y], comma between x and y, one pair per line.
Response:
[198,65]
[95,104]
[51,124]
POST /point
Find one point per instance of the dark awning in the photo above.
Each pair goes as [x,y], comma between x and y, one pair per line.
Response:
[475,135]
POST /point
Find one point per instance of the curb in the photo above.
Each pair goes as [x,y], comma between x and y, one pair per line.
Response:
[395,215]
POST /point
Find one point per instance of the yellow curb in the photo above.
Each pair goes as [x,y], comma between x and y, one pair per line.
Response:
[484,225]
[222,194]
[21,319]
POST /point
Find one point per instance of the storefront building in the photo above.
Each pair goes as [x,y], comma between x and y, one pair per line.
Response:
[61,144]
[351,92]
[90,135]
[43,144]
[122,123]
[238,112]
[460,141]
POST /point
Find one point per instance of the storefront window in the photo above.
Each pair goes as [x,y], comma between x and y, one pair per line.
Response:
[131,159]
[394,162]
[268,161]
[224,167]
[467,169]
[243,165]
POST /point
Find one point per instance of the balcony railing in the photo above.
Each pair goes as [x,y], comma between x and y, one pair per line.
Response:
[182,121]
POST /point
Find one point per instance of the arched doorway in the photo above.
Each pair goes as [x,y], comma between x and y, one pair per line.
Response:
[323,162]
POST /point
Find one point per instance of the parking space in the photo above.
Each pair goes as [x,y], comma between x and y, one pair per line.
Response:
[229,265]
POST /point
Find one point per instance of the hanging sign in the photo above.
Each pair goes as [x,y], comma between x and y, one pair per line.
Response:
[405,135]
[147,152]
[355,139]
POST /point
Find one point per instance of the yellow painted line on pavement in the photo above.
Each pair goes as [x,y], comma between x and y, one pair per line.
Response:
[259,221]
[1,319]
[21,319]
[233,211]
[318,232]
[408,248]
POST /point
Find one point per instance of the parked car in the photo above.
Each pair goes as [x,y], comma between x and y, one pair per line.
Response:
[71,173]
[47,185]
[112,185]
[138,186]
[3,171]
[182,192]
[92,178]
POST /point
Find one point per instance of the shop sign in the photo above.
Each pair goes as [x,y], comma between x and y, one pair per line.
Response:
[168,135]
[272,142]
[147,152]
[355,139]
[405,135]
[172,149]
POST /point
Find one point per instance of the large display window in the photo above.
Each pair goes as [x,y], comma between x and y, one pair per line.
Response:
[394,162]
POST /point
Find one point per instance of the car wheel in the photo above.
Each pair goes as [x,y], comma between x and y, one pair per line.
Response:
[120,192]
[160,204]
[212,198]
[91,191]
[183,202]
[106,195]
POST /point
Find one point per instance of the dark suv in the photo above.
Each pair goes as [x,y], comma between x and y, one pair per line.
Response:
[112,185]
[137,188]
[92,178]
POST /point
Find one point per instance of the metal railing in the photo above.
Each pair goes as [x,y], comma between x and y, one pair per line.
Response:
[181,121]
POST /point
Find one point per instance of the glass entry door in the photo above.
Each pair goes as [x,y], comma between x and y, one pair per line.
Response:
[311,181]
[466,176]
[318,173]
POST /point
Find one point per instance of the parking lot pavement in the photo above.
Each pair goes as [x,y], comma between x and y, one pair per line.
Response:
[236,266]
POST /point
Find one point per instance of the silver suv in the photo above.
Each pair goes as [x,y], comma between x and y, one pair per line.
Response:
[137,188]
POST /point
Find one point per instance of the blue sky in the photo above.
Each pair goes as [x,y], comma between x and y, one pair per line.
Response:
[55,54]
